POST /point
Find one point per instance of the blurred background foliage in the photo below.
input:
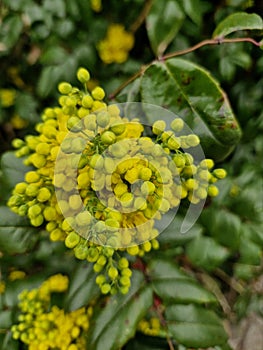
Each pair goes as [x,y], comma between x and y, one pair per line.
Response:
[43,43]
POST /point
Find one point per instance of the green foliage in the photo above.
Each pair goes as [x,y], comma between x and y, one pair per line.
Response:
[195,280]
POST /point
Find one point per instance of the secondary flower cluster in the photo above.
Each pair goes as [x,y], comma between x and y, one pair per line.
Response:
[42,326]
[116,45]
[99,181]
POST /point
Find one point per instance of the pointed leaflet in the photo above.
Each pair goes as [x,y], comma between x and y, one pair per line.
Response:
[238,21]
[194,326]
[162,23]
[115,322]
[173,285]
[191,92]
[16,234]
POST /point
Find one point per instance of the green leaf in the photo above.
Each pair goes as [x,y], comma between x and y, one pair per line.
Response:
[56,7]
[82,287]
[115,322]
[8,343]
[53,55]
[182,290]
[5,319]
[193,9]
[188,90]
[205,252]
[224,226]
[143,342]
[11,28]
[194,326]
[162,269]
[26,107]
[238,21]
[163,22]
[16,234]
[172,235]
[13,169]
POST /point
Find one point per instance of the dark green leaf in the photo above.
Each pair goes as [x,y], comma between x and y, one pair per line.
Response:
[224,226]
[82,287]
[191,92]
[238,21]
[56,7]
[250,253]
[182,290]
[16,234]
[143,342]
[5,319]
[8,343]
[172,235]
[193,9]
[205,252]
[26,107]
[194,326]
[53,55]
[13,169]
[11,29]
[115,322]
[163,22]
[162,269]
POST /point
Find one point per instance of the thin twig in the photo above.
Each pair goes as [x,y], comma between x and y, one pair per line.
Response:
[140,19]
[230,281]
[215,41]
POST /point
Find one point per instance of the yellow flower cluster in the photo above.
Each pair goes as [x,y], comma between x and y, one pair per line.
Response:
[116,45]
[96,5]
[16,275]
[42,327]
[151,327]
[2,287]
[99,184]
[7,97]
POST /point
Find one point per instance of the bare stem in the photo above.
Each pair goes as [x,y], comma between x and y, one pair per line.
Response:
[140,19]
[215,41]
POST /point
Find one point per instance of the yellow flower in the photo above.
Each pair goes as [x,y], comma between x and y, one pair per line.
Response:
[18,122]
[16,275]
[2,287]
[7,97]
[116,45]
[96,5]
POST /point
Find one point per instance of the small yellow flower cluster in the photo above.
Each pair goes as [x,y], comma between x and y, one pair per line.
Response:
[16,275]
[151,327]
[99,184]
[7,97]
[2,287]
[42,327]
[96,5]
[116,45]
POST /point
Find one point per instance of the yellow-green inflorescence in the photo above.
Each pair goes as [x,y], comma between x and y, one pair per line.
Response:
[99,183]
[43,326]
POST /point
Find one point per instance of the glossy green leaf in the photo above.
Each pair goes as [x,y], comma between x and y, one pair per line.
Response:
[115,321]
[205,252]
[193,9]
[162,23]
[194,326]
[182,290]
[13,169]
[82,287]
[188,90]
[11,29]
[172,235]
[162,269]
[238,21]
[224,226]
[16,234]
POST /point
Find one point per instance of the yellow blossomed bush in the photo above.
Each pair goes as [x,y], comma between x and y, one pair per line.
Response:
[131,159]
